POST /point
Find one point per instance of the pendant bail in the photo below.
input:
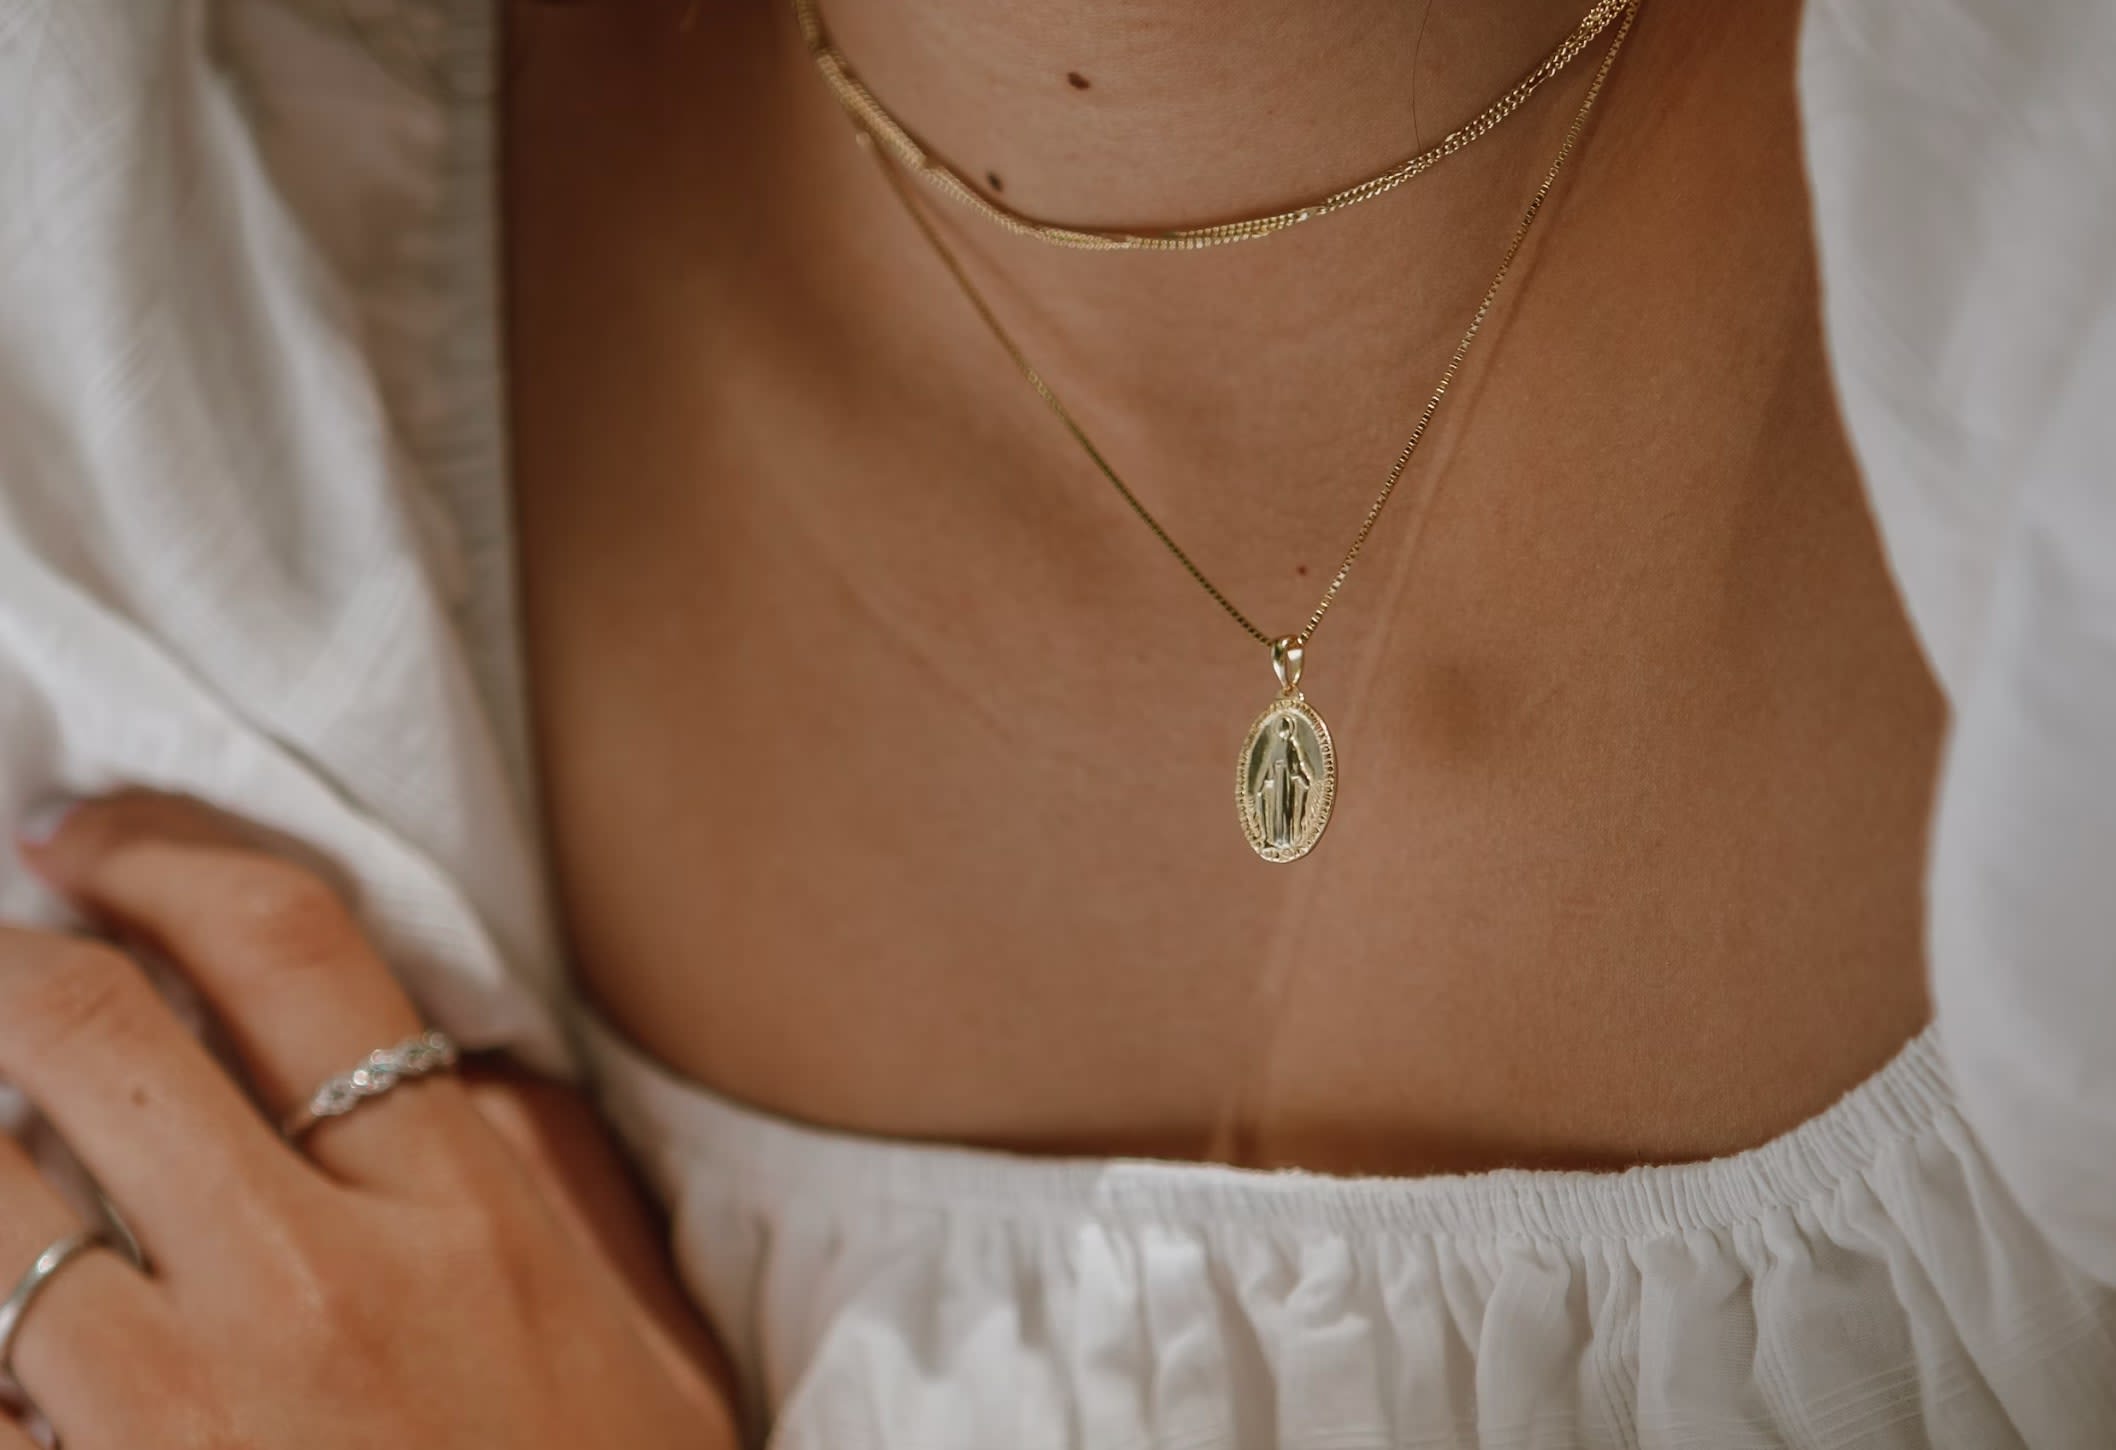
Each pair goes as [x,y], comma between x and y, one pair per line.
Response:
[1286,655]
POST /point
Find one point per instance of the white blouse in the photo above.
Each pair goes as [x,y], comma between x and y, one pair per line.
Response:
[253,546]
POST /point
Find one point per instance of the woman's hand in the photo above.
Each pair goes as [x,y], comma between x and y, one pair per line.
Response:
[402,1279]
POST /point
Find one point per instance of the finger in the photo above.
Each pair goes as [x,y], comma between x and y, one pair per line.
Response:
[139,1101]
[93,1315]
[276,952]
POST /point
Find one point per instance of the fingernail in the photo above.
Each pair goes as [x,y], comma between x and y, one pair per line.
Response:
[44,822]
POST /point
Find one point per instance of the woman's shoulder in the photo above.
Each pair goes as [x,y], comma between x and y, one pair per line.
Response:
[246,375]
[1963,164]
[1960,158]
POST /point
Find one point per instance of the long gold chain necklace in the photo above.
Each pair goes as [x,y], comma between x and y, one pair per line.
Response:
[1286,773]
[874,120]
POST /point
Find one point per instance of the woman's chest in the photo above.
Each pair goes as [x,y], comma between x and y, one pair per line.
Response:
[889,757]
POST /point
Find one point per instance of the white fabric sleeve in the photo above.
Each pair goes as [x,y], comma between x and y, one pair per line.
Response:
[224,568]
[1963,160]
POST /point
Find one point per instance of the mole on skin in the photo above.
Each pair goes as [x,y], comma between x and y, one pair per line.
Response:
[992,180]
[1076,80]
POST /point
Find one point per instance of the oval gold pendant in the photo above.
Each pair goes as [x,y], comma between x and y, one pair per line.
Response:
[1286,779]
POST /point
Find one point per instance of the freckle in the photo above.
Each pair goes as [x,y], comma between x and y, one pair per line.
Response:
[992,180]
[1076,80]
[1301,569]
[139,1097]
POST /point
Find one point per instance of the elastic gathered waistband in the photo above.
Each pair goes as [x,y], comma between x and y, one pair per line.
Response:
[764,1154]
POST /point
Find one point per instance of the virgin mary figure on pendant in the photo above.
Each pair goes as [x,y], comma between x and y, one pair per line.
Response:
[1282,799]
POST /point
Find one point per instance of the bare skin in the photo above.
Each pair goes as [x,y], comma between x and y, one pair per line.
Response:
[887,757]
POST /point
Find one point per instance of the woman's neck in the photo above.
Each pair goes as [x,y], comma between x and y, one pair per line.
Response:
[1109,112]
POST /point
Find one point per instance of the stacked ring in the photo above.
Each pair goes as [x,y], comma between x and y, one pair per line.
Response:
[41,1272]
[382,1069]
